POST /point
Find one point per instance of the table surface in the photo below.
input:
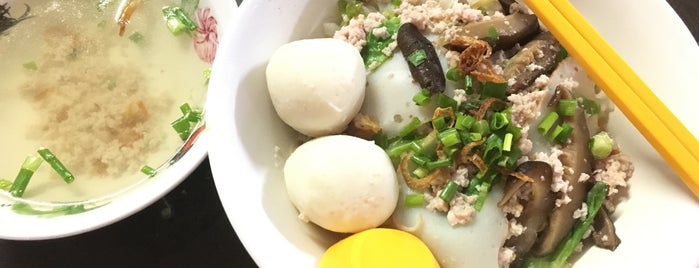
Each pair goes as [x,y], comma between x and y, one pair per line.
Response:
[186,228]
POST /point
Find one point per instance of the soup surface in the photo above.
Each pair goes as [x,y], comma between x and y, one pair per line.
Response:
[102,103]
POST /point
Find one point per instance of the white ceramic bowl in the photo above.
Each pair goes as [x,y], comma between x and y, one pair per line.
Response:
[248,142]
[134,197]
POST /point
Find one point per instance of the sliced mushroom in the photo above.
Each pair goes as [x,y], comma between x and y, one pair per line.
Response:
[576,159]
[534,216]
[428,73]
[536,58]
[511,29]
[604,235]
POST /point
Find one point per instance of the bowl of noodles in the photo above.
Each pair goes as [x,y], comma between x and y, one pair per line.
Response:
[103,102]
[463,124]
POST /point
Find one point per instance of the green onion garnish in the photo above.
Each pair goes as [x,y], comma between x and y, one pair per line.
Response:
[410,127]
[493,148]
[440,123]
[414,200]
[498,121]
[464,122]
[468,84]
[447,194]
[181,126]
[438,164]
[445,101]
[591,106]
[30,66]
[136,37]
[30,165]
[563,135]
[177,20]
[56,164]
[5,184]
[475,136]
[507,142]
[493,35]
[148,170]
[547,123]
[381,139]
[514,130]
[601,145]
[396,150]
[482,127]
[566,107]
[454,74]
[561,55]
[449,137]
[421,172]
[495,90]
[419,160]
[417,57]
[422,98]
[483,191]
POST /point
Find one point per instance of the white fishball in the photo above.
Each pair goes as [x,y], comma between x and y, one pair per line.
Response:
[342,183]
[316,85]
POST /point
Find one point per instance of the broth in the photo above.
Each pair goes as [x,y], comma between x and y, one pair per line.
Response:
[102,103]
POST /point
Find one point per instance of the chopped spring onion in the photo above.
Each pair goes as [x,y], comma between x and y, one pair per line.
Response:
[547,123]
[136,37]
[475,136]
[447,194]
[454,74]
[449,137]
[561,55]
[182,127]
[56,164]
[381,139]
[483,190]
[561,133]
[445,101]
[507,142]
[514,130]
[417,57]
[414,200]
[410,127]
[601,145]
[482,127]
[419,160]
[30,165]
[591,106]
[421,172]
[567,107]
[440,123]
[148,170]
[468,84]
[558,259]
[493,35]
[464,122]
[495,90]
[177,20]
[350,8]
[5,184]
[30,66]
[498,121]
[422,98]
[438,164]
[493,148]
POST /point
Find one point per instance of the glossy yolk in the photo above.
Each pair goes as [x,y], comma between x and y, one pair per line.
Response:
[380,248]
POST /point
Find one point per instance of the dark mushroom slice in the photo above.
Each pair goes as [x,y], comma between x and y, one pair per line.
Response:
[536,58]
[511,30]
[427,71]
[538,206]
[576,160]
[605,235]
[506,5]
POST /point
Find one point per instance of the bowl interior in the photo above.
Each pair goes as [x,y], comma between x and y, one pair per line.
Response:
[44,212]
[249,143]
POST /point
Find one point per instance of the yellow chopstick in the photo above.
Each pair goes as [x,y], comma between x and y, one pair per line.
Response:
[652,118]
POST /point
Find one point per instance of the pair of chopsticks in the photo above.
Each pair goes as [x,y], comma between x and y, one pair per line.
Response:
[622,85]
